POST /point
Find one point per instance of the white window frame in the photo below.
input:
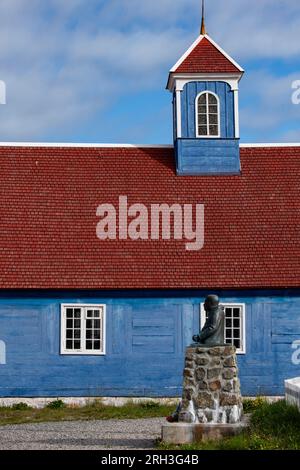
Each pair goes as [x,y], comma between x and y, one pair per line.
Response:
[83,351]
[207,114]
[241,350]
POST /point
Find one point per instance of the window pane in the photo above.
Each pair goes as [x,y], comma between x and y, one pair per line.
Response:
[213,119]
[89,344]
[237,343]
[69,323]
[77,312]
[96,323]
[202,130]
[77,334]
[69,344]
[236,312]
[213,130]
[202,119]
[236,333]
[202,109]
[97,345]
[69,334]
[97,334]
[212,99]
[228,322]
[202,99]
[77,323]
[228,312]
[236,323]
[77,344]
[89,323]
[96,314]
[89,334]
[69,313]
[89,313]
[213,109]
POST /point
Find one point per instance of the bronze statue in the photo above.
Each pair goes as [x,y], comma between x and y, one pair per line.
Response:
[213,331]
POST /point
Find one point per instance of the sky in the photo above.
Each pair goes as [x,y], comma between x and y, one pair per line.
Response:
[96,70]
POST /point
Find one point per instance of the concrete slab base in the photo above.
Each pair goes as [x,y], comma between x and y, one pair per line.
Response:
[186,433]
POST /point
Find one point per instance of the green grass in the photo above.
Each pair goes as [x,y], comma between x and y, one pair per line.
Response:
[273,426]
[56,411]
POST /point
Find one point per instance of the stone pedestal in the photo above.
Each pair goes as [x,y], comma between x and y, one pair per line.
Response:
[185,433]
[292,391]
[211,388]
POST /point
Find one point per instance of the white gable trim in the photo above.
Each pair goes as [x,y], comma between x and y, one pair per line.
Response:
[225,54]
[198,40]
[186,54]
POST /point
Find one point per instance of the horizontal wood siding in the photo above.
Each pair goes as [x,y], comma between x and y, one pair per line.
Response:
[207,156]
[147,333]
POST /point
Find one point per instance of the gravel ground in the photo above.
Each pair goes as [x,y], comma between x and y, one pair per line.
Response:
[82,435]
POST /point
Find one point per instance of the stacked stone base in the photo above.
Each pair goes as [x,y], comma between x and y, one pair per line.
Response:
[211,388]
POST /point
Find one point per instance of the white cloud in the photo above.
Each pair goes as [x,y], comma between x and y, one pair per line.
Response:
[65,60]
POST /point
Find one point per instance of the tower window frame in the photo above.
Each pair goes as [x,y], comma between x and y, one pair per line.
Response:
[211,115]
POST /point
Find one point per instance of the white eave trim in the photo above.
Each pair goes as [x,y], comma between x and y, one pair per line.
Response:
[178,80]
[166,146]
[263,145]
[195,44]
[79,145]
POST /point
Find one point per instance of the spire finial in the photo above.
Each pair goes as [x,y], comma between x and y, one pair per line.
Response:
[203,29]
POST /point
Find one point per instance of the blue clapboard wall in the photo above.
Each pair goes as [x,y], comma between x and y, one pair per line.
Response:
[147,332]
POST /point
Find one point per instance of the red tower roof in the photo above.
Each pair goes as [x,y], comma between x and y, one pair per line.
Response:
[205,56]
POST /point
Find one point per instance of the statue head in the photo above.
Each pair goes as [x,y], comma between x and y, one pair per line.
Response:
[211,302]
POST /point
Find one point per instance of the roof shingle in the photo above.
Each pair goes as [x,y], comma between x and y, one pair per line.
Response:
[48,202]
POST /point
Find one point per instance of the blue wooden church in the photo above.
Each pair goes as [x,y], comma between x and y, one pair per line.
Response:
[84,317]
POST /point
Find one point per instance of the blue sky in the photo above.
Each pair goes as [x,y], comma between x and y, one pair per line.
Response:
[96,70]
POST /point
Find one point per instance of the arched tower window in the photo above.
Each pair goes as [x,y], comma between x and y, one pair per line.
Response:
[207,115]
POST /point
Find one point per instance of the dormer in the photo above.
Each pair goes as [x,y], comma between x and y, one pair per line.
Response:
[205,83]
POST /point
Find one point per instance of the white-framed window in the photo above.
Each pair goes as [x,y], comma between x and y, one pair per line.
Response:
[207,115]
[83,329]
[235,325]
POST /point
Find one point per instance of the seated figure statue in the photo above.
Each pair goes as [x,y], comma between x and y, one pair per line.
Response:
[212,334]
[213,331]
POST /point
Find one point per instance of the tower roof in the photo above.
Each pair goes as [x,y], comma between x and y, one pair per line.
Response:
[205,56]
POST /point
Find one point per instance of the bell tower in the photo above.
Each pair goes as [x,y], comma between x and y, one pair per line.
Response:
[205,86]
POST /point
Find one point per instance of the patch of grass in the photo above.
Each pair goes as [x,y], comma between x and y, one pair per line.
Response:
[93,411]
[273,426]
[150,405]
[56,405]
[21,406]
[253,405]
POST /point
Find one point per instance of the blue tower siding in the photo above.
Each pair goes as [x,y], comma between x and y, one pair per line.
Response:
[147,333]
[207,157]
[200,156]
[188,114]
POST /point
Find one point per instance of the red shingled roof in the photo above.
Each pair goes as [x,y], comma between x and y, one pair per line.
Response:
[206,58]
[48,201]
